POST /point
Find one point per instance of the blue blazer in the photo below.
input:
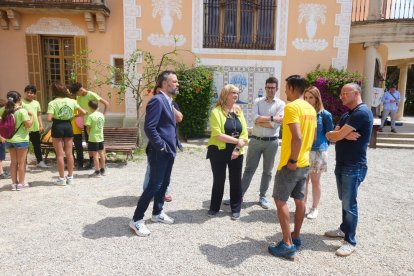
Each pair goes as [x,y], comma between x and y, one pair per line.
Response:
[160,125]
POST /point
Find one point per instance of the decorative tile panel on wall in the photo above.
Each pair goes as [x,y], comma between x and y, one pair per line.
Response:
[248,75]
[343,20]
[132,35]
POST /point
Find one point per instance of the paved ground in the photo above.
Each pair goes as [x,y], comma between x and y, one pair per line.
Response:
[83,228]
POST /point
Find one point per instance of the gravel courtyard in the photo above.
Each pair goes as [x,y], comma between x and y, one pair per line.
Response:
[82,229]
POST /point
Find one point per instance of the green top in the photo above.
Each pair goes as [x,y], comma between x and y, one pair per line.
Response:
[62,108]
[96,122]
[84,100]
[34,107]
[22,135]
[217,121]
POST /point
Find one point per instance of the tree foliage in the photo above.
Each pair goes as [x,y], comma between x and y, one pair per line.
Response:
[194,99]
[330,82]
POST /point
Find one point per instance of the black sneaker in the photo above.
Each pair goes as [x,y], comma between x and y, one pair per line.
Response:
[212,213]
[95,174]
[4,176]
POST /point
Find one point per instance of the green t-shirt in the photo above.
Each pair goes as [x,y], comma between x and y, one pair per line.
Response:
[20,116]
[96,122]
[84,100]
[62,108]
[34,107]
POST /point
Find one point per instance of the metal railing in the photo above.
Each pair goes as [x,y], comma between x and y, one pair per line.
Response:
[390,9]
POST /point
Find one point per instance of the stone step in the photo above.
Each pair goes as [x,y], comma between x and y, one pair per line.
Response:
[395,140]
[395,146]
[395,135]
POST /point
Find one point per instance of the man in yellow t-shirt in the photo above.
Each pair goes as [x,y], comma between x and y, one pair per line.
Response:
[299,127]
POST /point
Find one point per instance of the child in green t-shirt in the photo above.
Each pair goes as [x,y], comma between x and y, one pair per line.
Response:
[94,126]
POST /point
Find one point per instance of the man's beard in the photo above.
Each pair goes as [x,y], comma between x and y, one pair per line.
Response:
[174,92]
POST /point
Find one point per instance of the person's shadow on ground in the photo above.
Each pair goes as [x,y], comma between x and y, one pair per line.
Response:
[119,202]
[235,254]
[108,228]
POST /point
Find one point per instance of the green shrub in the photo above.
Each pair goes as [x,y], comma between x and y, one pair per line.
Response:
[330,82]
[194,99]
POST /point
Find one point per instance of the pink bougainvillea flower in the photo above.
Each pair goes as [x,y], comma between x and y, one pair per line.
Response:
[198,89]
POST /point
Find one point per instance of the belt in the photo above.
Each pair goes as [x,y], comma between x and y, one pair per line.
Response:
[264,138]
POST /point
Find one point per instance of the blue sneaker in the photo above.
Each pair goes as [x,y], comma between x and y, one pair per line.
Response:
[283,250]
[297,242]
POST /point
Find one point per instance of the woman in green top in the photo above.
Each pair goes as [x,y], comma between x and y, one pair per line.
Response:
[226,148]
[60,111]
[18,144]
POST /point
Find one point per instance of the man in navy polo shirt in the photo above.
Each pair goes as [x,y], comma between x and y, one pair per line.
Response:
[351,135]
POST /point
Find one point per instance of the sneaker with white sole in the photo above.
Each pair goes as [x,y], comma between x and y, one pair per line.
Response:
[264,202]
[226,201]
[337,233]
[313,213]
[69,180]
[163,217]
[345,250]
[140,228]
[42,164]
[14,187]
[19,187]
[61,182]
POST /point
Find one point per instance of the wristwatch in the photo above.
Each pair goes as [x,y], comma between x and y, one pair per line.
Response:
[293,161]
[271,118]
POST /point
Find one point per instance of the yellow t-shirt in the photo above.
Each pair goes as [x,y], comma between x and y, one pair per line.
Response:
[301,112]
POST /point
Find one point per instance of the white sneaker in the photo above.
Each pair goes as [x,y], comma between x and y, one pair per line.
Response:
[313,213]
[139,228]
[61,182]
[163,217]
[345,250]
[337,233]
[69,180]
[42,164]
[14,187]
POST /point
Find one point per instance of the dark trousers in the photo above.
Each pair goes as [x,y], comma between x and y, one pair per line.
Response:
[161,164]
[35,140]
[77,140]
[220,160]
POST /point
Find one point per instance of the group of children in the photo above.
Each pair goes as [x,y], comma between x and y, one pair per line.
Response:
[22,118]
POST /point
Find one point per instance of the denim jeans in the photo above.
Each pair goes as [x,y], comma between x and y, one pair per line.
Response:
[161,164]
[348,179]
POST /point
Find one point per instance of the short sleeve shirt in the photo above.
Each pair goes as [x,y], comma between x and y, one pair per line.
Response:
[20,116]
[84,100]
[62,108]
[301,112]
[96,122]
[34,107]
[355,152]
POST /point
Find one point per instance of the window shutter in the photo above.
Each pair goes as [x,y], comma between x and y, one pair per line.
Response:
[35,67]
[81,72]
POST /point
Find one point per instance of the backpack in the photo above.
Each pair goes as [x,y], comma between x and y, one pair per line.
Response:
[7,127]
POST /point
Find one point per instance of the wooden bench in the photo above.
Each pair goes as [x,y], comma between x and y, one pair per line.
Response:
[117,139]
[376,125]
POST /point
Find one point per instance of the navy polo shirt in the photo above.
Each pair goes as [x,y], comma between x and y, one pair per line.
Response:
[355,152]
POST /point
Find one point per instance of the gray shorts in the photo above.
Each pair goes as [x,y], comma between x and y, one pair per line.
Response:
[290,183]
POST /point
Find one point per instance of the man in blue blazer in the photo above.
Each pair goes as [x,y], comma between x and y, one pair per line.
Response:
[161,130]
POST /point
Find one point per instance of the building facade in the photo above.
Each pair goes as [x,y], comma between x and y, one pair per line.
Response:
[249,40]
